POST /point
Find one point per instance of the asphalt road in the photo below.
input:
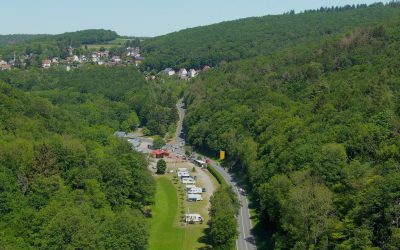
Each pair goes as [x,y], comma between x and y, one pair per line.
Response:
[245,241]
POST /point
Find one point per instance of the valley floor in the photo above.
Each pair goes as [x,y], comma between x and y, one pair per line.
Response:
[167,232]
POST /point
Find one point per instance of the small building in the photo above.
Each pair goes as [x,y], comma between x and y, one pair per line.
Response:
[82,58]
[158,153]
[5,67]
[46,64]
[2,62]
[183,72]
[192,73]
[116,59]
[138,60]
[55,60]
[206,68]
[193,218]
[169,71]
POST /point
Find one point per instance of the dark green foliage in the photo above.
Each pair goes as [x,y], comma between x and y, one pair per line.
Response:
[65,180]
[316,130]
[17,38]
[223,223]
[161,167]
[158,142]
[117,97]
[244,38]
[217,175]
[87,36]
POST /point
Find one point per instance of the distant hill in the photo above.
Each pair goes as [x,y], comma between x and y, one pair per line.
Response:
[17,38]
[46,46]
[228,41]
[91,36]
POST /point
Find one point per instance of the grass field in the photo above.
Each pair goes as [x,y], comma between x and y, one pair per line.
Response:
[116,42]
[166,230]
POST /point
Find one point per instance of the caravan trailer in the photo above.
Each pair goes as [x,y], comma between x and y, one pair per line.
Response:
[195,190]
[188,187]
[194,197]
[193,218]
[183,174]
[188,181]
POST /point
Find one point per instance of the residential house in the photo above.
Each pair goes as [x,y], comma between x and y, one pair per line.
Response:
[138,60]
[169,72]
[55,60]
[5,67]
[104,53]
[116,59]
[2,62]
[192,73]
[183,73]
[82,58]
[46,63]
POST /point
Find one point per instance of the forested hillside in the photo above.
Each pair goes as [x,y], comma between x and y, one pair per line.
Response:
[66,182]
[49,46]
[229,41]
[315,129]
[17,38]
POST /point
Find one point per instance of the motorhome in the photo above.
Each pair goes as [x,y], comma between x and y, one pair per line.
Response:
[188,187]
[195,190]
[193,218]
[183,174]
[188,181]
[194,197]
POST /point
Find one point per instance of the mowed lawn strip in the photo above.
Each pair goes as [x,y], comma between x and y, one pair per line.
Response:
[166,231]
[164,234]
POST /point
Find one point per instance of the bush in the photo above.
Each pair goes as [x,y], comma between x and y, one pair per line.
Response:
[161,167]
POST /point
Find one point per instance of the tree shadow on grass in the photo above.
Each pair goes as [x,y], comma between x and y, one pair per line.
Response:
[205,239]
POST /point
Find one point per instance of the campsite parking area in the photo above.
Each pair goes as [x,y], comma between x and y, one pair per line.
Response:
[168,230]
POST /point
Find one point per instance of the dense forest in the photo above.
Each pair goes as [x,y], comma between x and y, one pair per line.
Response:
[66,182]
[17,38]
[315,127]
[229,41]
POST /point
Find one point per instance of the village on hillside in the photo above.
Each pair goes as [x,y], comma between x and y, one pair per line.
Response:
[102,57]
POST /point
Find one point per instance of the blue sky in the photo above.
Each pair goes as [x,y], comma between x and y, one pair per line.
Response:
[140,18]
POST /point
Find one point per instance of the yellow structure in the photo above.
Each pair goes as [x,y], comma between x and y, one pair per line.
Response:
[222,155]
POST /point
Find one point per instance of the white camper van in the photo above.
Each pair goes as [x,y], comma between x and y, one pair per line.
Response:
[195,190]
[188,187]
[183,174]
[193,218]
[194,197]
[188,181]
